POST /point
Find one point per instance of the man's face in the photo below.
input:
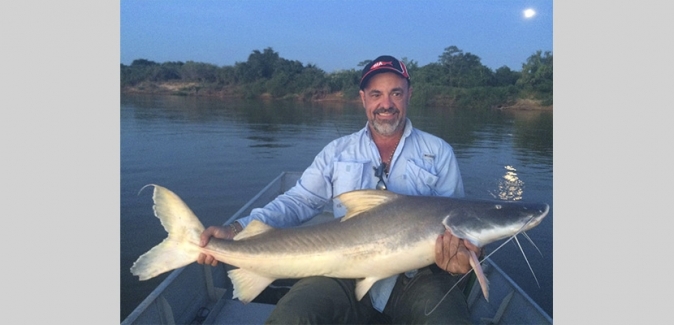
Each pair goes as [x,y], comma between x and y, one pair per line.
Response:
[385,100]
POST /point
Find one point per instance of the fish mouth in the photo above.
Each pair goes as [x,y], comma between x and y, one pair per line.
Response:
[542,212]
[536,219]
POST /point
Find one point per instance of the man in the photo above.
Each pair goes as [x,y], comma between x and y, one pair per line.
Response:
[387,154]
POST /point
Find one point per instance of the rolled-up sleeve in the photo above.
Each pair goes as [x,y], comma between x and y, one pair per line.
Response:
[301,202]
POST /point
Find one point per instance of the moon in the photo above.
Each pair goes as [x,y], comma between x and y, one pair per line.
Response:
[528,13]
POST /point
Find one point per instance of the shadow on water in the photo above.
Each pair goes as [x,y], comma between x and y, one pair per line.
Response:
[532,130]
[254,112]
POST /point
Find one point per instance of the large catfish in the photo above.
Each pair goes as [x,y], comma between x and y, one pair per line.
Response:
[381,235]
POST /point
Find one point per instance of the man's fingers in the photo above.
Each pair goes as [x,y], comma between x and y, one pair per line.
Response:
[438,248]
[451,253]
[203,241]
[212,231]
[207,259]
[206,236]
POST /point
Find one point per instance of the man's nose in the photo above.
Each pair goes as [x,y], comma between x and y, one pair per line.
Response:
[387,101]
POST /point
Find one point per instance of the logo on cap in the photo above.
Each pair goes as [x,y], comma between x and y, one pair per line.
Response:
[381,63]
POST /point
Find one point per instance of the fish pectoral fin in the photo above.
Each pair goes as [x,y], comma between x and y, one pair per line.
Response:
[359,201]
[363,285]
[247,284]
[481,278]
[254,228]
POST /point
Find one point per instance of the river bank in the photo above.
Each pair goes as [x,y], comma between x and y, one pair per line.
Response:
[197,89]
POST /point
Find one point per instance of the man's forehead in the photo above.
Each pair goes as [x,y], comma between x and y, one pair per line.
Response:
[399,82]
[379,90]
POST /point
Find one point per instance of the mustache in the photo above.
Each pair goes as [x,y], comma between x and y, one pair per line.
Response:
[386,110]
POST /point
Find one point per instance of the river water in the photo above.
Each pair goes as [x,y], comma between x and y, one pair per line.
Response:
[217,154]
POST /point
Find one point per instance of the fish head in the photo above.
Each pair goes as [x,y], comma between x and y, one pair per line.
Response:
[482,222]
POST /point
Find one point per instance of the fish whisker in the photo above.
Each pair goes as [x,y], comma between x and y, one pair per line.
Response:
[532,242]
[514,237]
[462,277]
[527,260]
[445,296]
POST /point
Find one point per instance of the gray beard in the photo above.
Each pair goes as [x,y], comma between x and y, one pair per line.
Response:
[386,129]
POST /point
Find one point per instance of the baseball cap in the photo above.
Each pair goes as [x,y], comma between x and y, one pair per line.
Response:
[384,63]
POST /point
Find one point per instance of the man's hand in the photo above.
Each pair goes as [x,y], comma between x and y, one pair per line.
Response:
[451,253]
[226,232]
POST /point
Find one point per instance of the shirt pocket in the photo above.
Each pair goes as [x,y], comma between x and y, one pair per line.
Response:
[347,176]
[419,180]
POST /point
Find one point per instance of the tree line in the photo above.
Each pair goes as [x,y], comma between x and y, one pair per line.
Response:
[458,78]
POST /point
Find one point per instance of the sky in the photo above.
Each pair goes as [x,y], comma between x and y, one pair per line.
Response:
[334,35]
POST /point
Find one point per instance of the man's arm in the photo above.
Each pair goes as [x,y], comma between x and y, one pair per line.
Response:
[291,208]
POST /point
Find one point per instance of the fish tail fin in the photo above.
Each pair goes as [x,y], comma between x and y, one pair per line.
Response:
[181,247]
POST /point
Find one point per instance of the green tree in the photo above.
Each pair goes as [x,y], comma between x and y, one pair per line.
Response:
[536,80]
[169,71]
[346,81]
[140,70]
[311,77]
[143,63]
[263,63]
[458,79]
[464,69]
[277,86]
[227,76]
[503,76]
[537,72]
[448,63]
[243,73]
[432,73]
[199,72]
[363,63]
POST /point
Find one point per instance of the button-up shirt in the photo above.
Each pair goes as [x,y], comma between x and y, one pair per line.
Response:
[422,164]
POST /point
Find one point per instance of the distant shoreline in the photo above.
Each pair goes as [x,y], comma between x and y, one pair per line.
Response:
[195,89]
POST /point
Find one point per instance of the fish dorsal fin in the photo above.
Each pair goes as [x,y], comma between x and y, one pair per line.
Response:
[359,201]
[254,228]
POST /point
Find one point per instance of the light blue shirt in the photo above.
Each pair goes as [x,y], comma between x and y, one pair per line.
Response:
[423,164]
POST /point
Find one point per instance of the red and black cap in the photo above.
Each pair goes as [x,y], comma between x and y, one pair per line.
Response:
[384,63]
